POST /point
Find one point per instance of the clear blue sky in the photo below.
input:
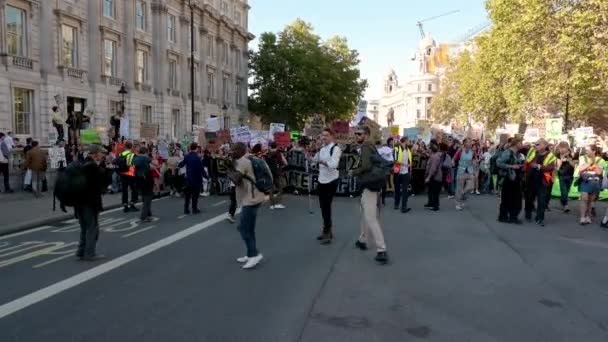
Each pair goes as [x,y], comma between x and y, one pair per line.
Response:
[383,31]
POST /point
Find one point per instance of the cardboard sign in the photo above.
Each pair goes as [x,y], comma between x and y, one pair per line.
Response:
[148,130]
[275,128]
[89,136]
[240,134]
[282,139]
[553,128]
[316,126]
[213,124]
[583,135]
[394,131]
[57,157]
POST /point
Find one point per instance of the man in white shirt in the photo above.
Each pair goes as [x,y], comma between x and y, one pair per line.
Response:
[328,159]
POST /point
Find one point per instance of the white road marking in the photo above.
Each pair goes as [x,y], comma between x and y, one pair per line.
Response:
[138,231]
[181,217]
[68,254]
[66,284]
[219,203]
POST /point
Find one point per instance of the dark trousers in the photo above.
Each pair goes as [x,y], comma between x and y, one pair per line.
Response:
[433,192]
[402,183]
[247,228]
[536,191]
[145,189]
[326,197]
[60,132]
[510,200]
[564,186]
[89,230]
[128,182]
[232,208]
[4,172]
[191,193]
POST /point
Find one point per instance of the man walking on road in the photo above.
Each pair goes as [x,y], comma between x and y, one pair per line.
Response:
[249,199]
[194,179]
[91,205]
[328,159]
[145,182]
[371,179]
[127,176]
[402,172]
[510,171]
[539,167]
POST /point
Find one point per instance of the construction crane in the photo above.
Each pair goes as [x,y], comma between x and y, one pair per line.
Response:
[419,23]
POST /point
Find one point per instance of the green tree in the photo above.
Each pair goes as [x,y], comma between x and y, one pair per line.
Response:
[296,74]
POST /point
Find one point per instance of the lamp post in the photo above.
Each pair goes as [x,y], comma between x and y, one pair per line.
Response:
[225,113]
[123,93]
[191,5]
[115,120]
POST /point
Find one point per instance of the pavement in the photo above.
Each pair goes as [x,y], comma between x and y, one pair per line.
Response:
[453,276]
[22,210]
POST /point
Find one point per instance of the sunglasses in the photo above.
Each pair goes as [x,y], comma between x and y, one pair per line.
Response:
[358,134]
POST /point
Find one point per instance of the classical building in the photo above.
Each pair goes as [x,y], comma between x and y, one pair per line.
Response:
[80,52]
[407,103]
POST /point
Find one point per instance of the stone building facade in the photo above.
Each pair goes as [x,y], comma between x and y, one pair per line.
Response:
[80,52]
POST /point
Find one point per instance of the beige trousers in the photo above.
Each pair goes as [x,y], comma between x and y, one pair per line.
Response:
[464,185]
[370,219]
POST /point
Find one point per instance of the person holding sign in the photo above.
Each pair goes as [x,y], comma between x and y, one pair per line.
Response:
[328,159]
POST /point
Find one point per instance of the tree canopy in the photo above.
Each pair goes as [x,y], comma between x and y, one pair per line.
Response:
[537,56]
[295,74]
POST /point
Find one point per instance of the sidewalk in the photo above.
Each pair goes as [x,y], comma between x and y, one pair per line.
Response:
[21,210]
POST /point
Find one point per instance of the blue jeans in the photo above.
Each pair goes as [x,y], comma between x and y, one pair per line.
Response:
[115,182]
[247,228]
[564,187]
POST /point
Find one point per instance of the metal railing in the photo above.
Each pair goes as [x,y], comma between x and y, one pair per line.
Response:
[23,62]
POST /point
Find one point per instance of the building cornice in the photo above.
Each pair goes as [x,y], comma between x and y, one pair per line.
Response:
[159,7]
[65,14]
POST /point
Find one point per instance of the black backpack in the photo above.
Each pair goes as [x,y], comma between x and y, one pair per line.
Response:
[70,186]
[376,178]
[263,176]
[122,164]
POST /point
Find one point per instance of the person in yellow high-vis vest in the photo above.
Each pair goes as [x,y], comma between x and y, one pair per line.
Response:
[539,166]
[402,174]
[128,179]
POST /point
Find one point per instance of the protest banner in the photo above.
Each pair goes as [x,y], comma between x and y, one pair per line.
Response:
[89,136]
[553,128]
[148,130]
[275,128]
[282,139]
[240,134]
[213,124]
[57,157]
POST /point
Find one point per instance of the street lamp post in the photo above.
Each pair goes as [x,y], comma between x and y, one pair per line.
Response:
[115,121]
[225,114]
[192,59]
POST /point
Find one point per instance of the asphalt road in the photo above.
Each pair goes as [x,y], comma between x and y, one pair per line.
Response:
[453,276]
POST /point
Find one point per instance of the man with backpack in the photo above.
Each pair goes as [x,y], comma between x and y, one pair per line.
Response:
[276,162]
[125,167]
[253,180]
[145,182]
[194,179]
[89,202]
[328,159]
[371,177]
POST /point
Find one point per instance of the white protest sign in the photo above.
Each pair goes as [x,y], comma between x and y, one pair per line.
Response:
[240,134]
[213,124]
[532,134]
[274,128]
[57,157]
[583,136]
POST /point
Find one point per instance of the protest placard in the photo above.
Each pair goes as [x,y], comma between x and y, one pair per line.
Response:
[275,128]
[223,136]
[316,126]
[282,139]
[213,124]
[394,131]
[554,128]
[148,131]
[411,133]
[89,136]
[295,135]
[532,135]
[583,135]
[240,134]
[57,157]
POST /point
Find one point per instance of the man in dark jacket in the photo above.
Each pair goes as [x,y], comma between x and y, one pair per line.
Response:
[194,179]
[370,197]
[91,205]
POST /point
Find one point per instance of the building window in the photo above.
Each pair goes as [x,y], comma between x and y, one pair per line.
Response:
[22,104]
[237,60]
[419,87]
[226,54]
[419,100]
[210,85]
[146,114]
[142,66]
[190,39]
[418,114]
[16,33]
[429,87]
[196,119]
[173,74]
[237,18]
[108,8]
[140,15]
[428,114]
[224,8]
[238,94]
[171,28]
[174,122]
[109,47]
[225,89]
[115,107]
[210,46]
[429,100]
[70,46]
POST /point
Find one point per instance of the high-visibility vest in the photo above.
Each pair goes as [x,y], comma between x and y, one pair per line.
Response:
[549,159]
[598,161]
[129,155]
[399,158]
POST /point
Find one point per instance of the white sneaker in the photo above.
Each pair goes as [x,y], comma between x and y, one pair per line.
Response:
[279,206]
[450,197]
[272,207]
[231,219]
[242,260]
[459,207]
[252,262]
